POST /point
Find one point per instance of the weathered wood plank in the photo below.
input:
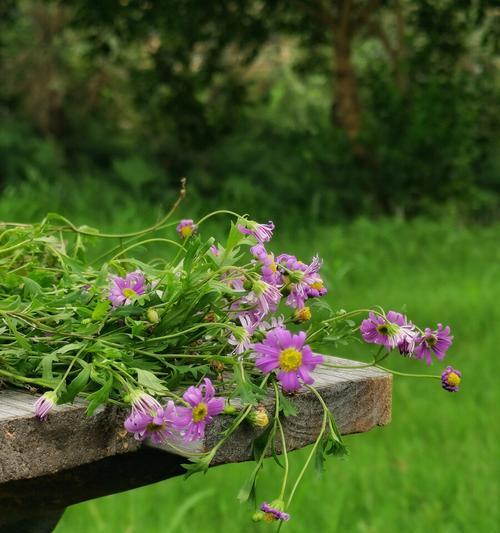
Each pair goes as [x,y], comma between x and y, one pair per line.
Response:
[360,399]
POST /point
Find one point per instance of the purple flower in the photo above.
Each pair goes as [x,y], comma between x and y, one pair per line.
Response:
[264,297]
[44,404]
[450,379]
[301,281]
[434,342]
[287,352]
[186,228]
[157,424]
[269,270]
[191,421]
[273,512]
[143,403]
[241,337]
[215,250]
[123,291]
[262,232]
[391,331]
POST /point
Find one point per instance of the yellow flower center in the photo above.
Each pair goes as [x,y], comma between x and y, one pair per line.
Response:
[154,427]
[290,359]
[269,517]
[453,379]
[272,266]
[303,315]
[129,293]
[186,231]
[318,285]
[200,412]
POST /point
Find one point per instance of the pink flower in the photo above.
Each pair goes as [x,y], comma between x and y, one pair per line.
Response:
[203,406]
[262,232]
[434,342]
[123,291]
[157,424]
[186,228]
[391,331]
[44,404]
[287,352]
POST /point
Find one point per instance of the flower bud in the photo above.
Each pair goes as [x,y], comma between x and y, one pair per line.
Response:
[302,315]
[153,316]
[230,410]
[259,418]
[247,285]
[258,516]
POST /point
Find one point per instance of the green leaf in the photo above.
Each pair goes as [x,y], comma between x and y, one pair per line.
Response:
[31,288]
[149,381]
[100,396]
[101,310]
[77,385]
[286,406]
[46,364]
[72,346]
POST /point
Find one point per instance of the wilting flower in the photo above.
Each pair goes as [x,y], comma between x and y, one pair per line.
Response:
[434,342]
[262,232]
[450,379]
[186,228]
[301,281]
[241,336]
[287,352]
[391,331]
[123,291]
[44,404]
[157,424]
[272,512]
[203,406]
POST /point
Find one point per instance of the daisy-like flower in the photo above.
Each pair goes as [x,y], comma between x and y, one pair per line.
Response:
[287,353]
[434,342]
[143,403]
[186,228]
[241,337]
[123,291]
[301,281]
[264,297]
[262,232]
[274,511]
[203,406]
[44,404]
[391,331]
[156,423]
[450,379]
[269,270]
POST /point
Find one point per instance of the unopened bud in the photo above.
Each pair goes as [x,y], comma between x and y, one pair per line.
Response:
[230,410]
[210,317]
[153,316]
[259,417]
[258,516]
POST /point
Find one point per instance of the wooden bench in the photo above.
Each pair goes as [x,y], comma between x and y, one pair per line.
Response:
[70,458]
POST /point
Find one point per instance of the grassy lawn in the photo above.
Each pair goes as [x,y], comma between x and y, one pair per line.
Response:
[435,468]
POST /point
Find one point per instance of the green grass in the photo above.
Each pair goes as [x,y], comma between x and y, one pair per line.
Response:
[435,468]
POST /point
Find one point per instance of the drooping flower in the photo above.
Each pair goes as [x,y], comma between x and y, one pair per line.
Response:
[241,337]
[274,511]
[186,228]
[262,232]
[434,342]
[450,379]
[301,281]
[44,404]
[264,297]
[156,423]
[143,403]
[269,269]
[391,331]
[123,291]
[287,353]
[203,406]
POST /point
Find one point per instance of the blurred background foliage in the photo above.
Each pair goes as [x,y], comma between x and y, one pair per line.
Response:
[280,107]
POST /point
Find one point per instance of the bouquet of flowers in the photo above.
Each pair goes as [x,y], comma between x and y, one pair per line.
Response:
[175,340]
